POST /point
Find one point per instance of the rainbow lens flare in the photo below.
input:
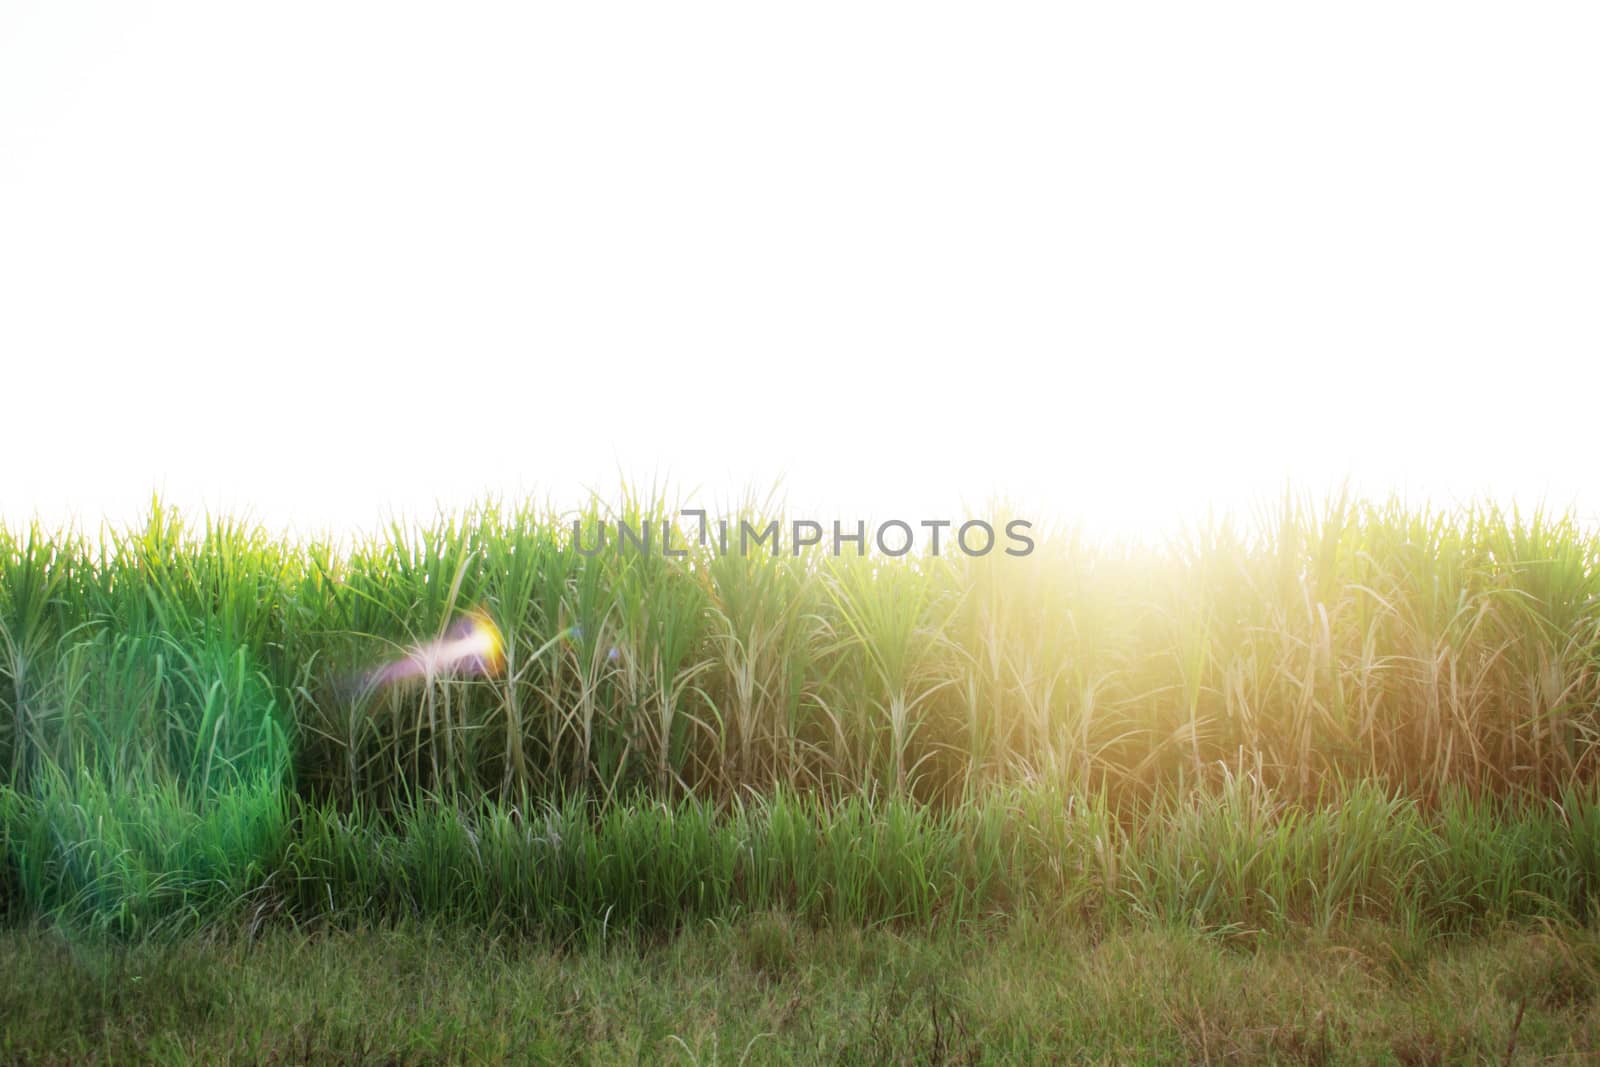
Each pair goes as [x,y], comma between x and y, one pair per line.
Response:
[473,645]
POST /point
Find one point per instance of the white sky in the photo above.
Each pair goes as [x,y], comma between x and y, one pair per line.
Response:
[323,261]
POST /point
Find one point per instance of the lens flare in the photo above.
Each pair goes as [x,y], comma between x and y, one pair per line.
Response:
[472,646]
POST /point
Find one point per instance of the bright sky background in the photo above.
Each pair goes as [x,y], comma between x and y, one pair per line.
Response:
[323,262]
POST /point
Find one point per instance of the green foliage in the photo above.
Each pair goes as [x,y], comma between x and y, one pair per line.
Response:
[1358,709]
[1241,861]
[1424,648]
[141,862]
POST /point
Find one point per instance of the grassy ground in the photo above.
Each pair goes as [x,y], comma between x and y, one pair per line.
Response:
[766,990]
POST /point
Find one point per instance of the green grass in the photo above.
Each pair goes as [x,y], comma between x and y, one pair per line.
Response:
[1342,702]
[1359,640]
[1238,863]
[765,990]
